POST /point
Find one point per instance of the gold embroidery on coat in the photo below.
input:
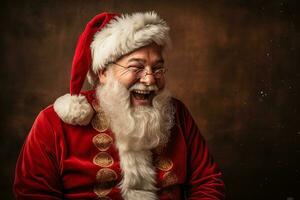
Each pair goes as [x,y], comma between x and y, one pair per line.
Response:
[103,159]
[99,122]
[169,178]
[101,192]
[106,175]
[103,198]
[164,164]
[102,141]
[106,179]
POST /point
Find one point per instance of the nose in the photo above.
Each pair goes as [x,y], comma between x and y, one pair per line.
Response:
[149,78]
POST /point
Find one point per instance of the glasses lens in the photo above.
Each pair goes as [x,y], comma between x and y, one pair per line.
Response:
[142,73]
[159,73]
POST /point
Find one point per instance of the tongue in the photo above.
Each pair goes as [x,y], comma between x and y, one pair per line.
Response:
[140,96]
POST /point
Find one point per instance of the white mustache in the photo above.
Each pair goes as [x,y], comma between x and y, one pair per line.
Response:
[140,86]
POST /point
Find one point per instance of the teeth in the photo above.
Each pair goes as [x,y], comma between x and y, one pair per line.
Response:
[142,91]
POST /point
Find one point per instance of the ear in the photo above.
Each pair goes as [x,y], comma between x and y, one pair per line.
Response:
[102,75]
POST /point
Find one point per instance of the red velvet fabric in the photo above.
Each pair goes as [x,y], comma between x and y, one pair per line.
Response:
[56,162]
[82,58]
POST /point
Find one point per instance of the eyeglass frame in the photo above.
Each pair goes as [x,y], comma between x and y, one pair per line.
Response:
[144,72]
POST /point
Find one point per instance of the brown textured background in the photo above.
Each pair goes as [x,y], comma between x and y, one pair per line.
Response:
[233,63]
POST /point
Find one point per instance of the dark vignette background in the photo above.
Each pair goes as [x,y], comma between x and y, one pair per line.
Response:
[233,63]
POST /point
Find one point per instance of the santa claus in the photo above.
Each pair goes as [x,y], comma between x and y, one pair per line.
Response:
[125,139]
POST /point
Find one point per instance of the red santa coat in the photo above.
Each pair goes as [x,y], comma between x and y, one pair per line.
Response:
[63,161]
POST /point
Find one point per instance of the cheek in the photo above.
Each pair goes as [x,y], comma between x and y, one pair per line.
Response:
[161,83]
[124,78]
[127,81]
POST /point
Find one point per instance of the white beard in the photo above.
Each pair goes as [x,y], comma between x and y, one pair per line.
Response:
[137,130]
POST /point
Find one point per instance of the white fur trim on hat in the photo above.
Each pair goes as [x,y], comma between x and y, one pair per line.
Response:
[74,109]
[126,33]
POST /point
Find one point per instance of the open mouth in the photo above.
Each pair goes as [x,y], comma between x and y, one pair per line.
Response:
[142,97]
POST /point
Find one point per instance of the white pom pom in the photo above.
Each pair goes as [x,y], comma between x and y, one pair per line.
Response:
[74,109]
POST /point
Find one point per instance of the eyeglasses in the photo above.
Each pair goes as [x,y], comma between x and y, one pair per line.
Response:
[141,72]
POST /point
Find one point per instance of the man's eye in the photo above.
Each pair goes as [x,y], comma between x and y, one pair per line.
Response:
[135,68]
[158,69]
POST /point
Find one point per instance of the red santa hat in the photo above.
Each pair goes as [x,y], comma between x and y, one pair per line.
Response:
[105,39]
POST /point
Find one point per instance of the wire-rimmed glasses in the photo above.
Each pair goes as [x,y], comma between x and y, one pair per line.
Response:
[141,71]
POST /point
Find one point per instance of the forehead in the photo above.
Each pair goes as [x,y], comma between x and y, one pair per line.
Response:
[149,53]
